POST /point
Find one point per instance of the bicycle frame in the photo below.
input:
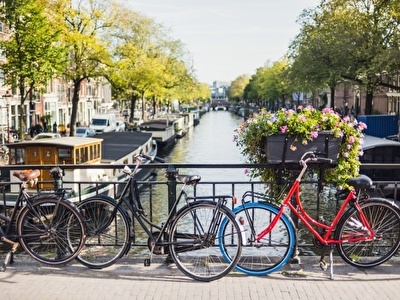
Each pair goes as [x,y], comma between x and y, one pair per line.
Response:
[310,223]
[147,225]
[131,200]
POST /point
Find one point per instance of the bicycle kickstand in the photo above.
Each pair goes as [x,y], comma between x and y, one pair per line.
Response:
[331,262]
[322,262]
[10,254]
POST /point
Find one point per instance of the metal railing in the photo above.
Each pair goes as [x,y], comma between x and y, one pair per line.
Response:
[158,193]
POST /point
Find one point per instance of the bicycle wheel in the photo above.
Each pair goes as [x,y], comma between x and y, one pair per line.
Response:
[108,232]
[270,253]
[384,219]
[52,231]
[194,241]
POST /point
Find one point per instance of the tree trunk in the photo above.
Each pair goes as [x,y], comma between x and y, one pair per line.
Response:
[132,107]
[75,101]
[368,102]
[332,104]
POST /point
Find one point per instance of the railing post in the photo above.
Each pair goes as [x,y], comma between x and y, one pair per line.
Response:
[171,176]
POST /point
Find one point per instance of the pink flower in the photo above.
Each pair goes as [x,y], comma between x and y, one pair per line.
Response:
[314,134]
[351,139]
[346,119]
[302,118]
[293,147]
[283,128]
[246,171]
[362,125]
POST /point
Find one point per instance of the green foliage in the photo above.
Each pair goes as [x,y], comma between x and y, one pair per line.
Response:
[304,125]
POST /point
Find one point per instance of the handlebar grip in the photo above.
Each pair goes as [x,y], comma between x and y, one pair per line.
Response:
[324,159]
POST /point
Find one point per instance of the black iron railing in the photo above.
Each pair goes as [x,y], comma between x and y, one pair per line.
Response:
[159,192]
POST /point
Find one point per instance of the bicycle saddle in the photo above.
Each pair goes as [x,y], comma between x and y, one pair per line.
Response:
[189,179]
[27,175]
[360,182]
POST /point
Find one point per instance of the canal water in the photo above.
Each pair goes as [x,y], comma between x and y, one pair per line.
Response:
[211,142]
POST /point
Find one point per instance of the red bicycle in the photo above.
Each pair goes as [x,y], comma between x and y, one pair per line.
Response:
[365,231]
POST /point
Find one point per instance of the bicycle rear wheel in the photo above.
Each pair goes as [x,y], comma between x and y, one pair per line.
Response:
[108,232]
[195,247]
[384,219]
[52,231]
[270,253]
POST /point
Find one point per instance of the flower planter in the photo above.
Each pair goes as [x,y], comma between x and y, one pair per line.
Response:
[279,147]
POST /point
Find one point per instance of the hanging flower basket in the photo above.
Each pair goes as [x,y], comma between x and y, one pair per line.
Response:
[282,137]
[283,148]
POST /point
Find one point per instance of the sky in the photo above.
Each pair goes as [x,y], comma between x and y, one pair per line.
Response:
[228,38]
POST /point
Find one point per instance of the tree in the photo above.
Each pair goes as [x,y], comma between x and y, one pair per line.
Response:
[236,89]
[347,40]
[147,63]
[32,52]
[84,23]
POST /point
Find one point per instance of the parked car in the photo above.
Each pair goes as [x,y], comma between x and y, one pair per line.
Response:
[121,126]
[85,132]
[46,135]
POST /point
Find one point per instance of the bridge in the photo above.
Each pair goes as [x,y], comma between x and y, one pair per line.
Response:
[219,104]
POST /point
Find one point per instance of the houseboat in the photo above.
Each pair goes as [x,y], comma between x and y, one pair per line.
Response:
[163,132]
[382,151]
[111,148]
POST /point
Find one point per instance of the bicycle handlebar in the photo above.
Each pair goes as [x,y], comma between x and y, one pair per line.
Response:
[313,156]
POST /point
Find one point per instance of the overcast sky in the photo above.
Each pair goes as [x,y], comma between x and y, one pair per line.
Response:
[228,38]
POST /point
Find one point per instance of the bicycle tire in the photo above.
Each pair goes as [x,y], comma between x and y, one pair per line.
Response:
[384,218]
[52,231]
[199,258]
[107,240]
[274,250]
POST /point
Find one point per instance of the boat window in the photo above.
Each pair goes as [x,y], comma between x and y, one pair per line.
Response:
[91,154]
[96,151]
[17,156]
[63,153]
[64,156]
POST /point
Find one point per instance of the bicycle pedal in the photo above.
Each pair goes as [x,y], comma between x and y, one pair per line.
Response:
[147,262]
[323,265]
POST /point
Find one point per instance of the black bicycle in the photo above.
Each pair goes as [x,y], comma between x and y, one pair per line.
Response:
[191,236]
[48,227]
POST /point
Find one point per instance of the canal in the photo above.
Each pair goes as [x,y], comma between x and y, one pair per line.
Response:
[211,142]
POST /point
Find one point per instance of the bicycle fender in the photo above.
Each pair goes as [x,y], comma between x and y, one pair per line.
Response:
[351,208]
[385,200]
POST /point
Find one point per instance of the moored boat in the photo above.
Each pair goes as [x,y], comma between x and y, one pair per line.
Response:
[111,148]
[163,132]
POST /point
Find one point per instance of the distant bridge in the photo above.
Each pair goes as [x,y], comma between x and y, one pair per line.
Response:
[219,104]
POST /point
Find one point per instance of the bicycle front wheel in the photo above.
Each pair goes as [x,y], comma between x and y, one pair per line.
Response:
[384,219]
[195,247]
[51,230]
[270,253]
[108,232]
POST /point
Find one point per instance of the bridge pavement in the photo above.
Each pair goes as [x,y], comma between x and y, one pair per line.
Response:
[129,279]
